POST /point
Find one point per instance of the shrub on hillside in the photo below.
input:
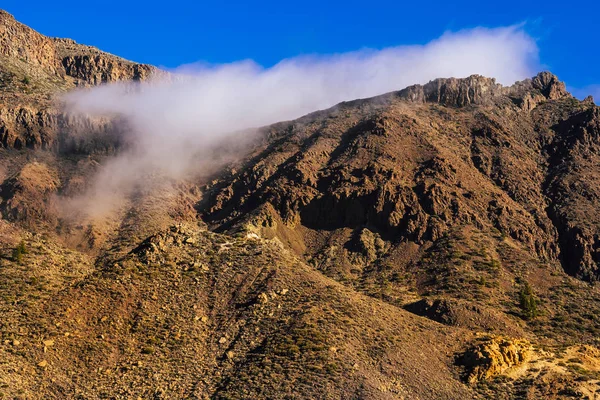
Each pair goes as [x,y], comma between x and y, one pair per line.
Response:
[528,302]
[17,253]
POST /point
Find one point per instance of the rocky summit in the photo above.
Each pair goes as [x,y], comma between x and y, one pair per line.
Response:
[438,242]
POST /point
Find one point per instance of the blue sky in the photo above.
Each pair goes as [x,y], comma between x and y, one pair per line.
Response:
[175,33]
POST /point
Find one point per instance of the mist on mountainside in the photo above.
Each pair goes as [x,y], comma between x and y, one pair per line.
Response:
[197,118]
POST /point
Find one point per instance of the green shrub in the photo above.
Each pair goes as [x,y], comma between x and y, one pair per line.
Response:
[528,302]
[26,80]
[17,253]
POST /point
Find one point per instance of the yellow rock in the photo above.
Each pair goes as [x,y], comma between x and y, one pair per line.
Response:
[43,364]
[494,356]
[263,298]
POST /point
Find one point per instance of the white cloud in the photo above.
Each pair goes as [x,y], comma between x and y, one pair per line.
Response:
[174,121]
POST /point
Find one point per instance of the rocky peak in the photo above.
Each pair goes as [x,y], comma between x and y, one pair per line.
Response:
[542,87]
[550,86]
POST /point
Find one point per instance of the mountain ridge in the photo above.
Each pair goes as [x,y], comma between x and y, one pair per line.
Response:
[35,70]
[435,242]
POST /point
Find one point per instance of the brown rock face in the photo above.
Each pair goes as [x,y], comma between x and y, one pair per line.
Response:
[21,42]
[97,69]
[480,90]
[574,186]
[475,89]
[49,129]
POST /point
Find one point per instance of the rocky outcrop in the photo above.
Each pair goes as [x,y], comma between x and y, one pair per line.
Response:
[89,66]
[477,89]
[550,86]
[494,357]
[98,69]
[455,92]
